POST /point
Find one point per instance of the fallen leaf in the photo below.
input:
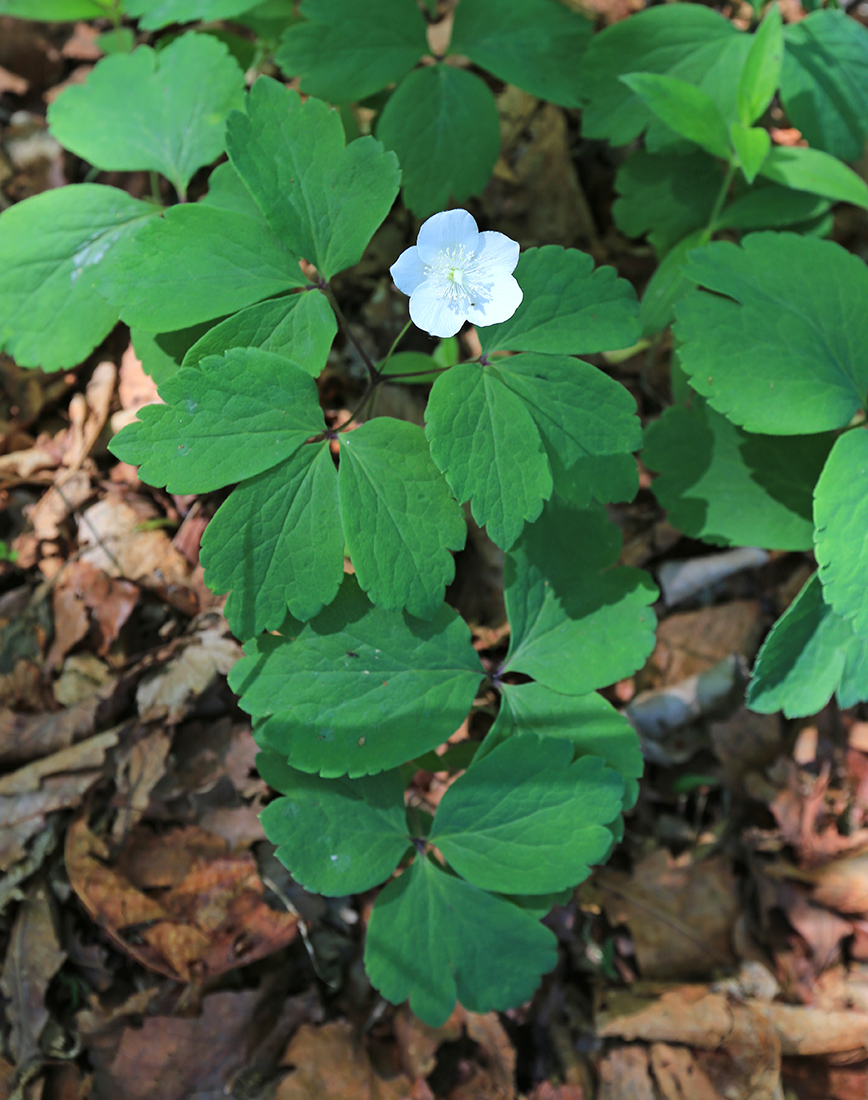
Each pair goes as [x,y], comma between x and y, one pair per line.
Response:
[331,1062]
[626,1075]
[140,770]
[678,1074]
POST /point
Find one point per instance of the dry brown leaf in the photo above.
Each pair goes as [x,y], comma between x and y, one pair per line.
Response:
[22,816]
[141,769]
[82,675]
[803,1031]
[81,45]
[58,505]
[493,1076]
[210,652]
[33,958]
[679,1075]
[625,1075]
[331,1063]
[135,388]
[71,623]
[24,464]
[418,1042]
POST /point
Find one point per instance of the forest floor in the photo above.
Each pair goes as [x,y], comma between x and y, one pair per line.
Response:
[150,944]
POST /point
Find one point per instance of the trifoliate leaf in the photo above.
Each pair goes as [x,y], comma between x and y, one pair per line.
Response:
[665,197]
[400,520]
[154,14]
[486,443]
[442,122]
[534,44]
[52,247]
[528,819]
[656,40]
[589,722]
[434,938]
[774,351]
[277,544]
[685,108]
[300,326]
[841,516]
[336,836]
[816,172]
[727,486]
[577,624]
[568,307]
[668,284]
[146,111]
[824,85]
[223,421]
[606,478]
[162,353]
[358,689]
[345,52]
[768,206]
[810,654]
[195,263]
[322,198]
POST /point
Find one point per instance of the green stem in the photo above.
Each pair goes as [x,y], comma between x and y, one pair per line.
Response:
[718,202]
[416,373]
[375,374]
[395,343]
[155,187]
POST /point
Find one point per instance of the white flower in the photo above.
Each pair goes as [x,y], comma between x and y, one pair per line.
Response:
[455,274]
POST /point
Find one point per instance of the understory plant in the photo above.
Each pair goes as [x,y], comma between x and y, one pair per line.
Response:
[336,539]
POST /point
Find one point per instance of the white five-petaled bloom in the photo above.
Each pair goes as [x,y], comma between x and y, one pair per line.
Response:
[455,274]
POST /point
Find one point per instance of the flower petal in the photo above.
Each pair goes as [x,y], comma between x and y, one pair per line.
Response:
[497,250]
[448,229]
[434,313]
[408,271]
[503,299]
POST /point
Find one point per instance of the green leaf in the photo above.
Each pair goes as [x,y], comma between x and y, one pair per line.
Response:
[668,284]
[577,623]
[528,819]
[605,478]
[162,353]
[775,351]
[768,206]
[568,307]
[442,122]
[301,327]
[422,369]
[761,74]
[486,443]
[53,245]
[816,172]
[336,836]
[589,722]
[752,145]
[652,41]
[684,108]
[148,111]
[434,938]
[841,518]
[400,520]
[324,199]
[535,44]
[810,654]
[726,486]
[277,544]
[824,85]
[665,197]
[223,421]
[195,263]
[51,11]
[358,689]
[160,13]
[346,52]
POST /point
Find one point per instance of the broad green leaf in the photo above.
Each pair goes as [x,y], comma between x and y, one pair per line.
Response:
[420,369]
[52,247]
[51,11]
[577,623]
[269,19]
[535,44]
[818,173]
[726,486]
[810,654]
[277,544]
[223,421]
[652,41]
[162,353]
[195,263]
[344,51]
[336,836]
[154,14]
[442,122]
[434,938]
[761,74]
[486,443]
[568,307]
[752,145]
[400,520]
[768,206]
[775,351]
[824,85]
[324,199]
[300,326]
[668,284]
[841,518]
[147,111]
[685,108]
[605,478]
[528,818]
[358,689]
[665,197]
[589,722]
[226,191]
